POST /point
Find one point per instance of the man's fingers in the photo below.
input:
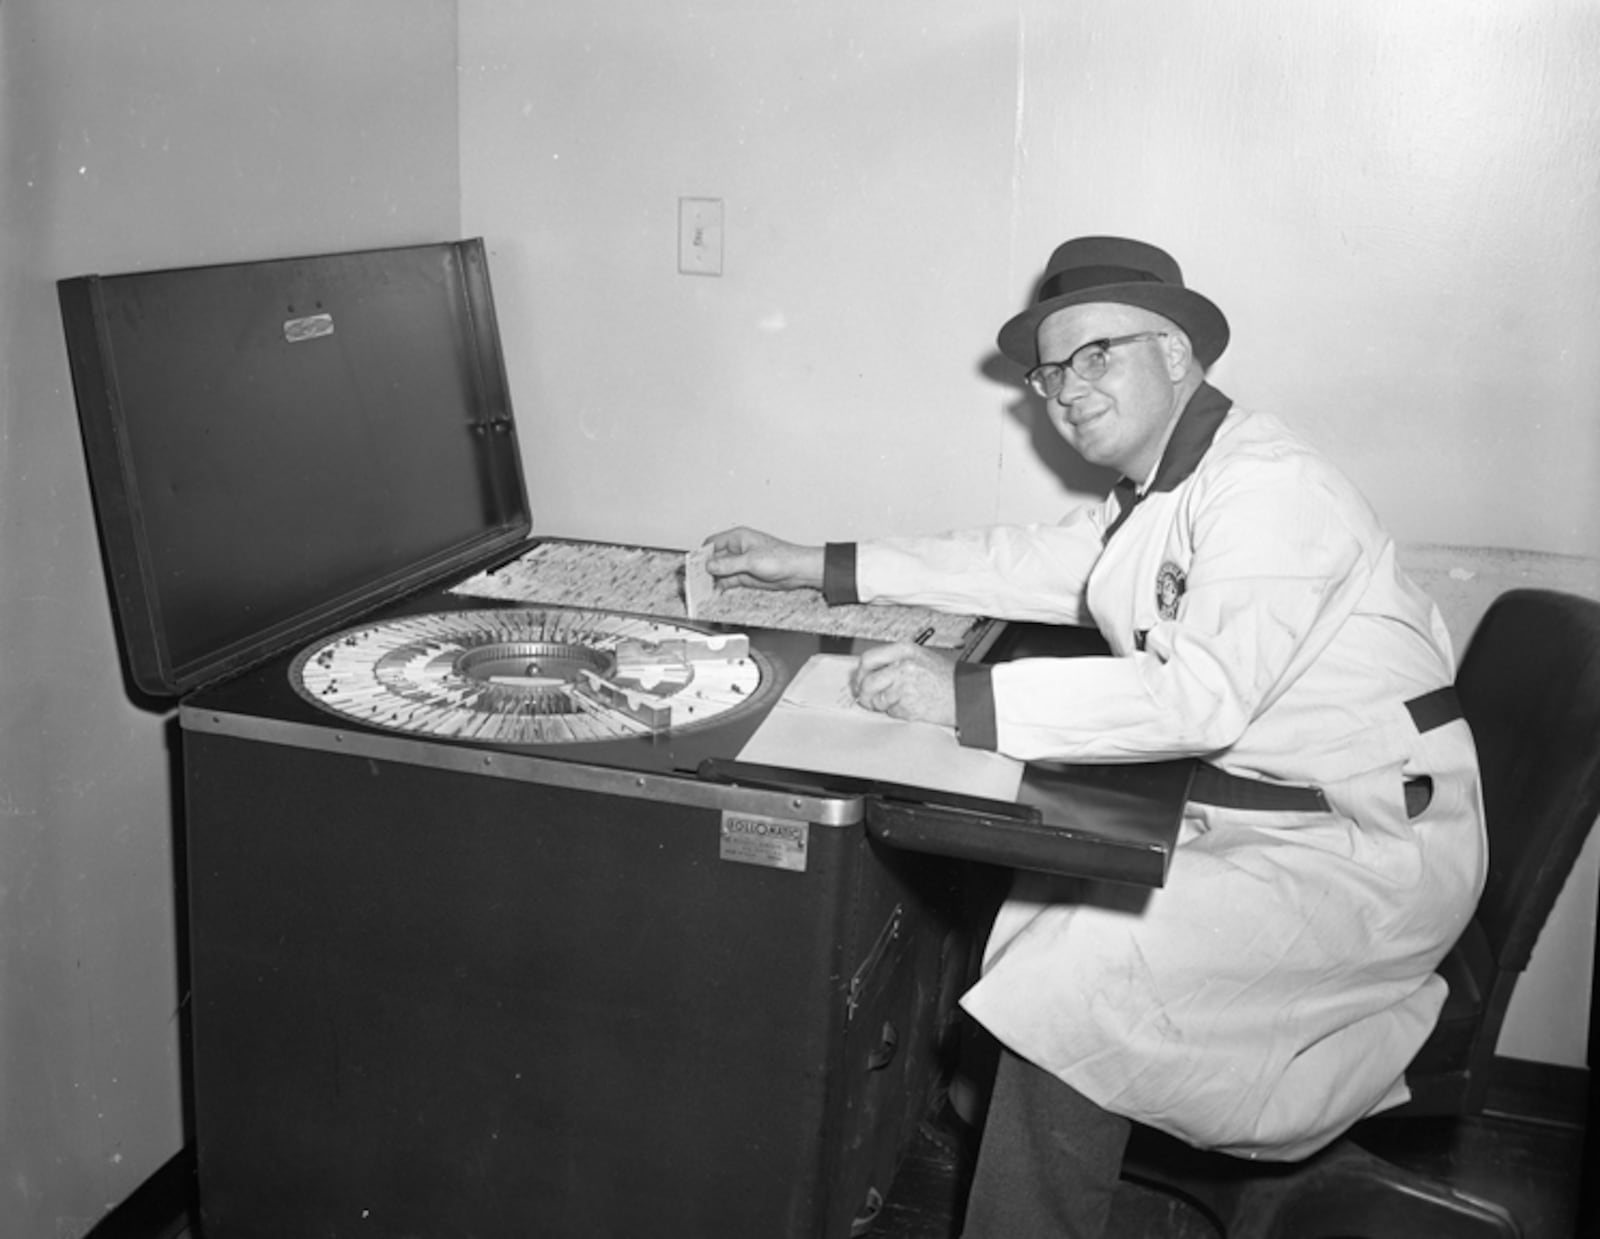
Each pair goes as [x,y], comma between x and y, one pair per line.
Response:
[876,674]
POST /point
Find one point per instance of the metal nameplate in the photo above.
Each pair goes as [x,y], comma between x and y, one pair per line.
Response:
[754,839]
[312,327]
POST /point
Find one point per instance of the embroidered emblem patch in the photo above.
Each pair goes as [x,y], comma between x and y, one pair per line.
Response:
[1170,584]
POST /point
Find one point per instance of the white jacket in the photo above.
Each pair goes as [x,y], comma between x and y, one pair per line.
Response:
[1274,990]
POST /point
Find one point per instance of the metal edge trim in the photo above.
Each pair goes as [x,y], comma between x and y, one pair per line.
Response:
[820,810]
[982,640]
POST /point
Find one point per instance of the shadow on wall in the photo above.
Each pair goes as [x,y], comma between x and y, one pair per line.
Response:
[1077,475]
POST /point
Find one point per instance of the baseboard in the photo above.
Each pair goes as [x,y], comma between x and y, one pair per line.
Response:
[159,1207]
[1539,1092]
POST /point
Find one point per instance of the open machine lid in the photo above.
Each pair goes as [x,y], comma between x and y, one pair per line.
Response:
[278,446]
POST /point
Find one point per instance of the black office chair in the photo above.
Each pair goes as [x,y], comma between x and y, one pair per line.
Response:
[1530,690]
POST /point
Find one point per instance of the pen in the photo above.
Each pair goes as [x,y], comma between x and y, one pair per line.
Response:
[923,637]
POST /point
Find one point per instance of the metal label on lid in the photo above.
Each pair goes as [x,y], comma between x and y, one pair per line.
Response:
[753,839]
[297,330]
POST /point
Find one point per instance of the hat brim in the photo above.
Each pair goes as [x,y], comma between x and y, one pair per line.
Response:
[1201,321]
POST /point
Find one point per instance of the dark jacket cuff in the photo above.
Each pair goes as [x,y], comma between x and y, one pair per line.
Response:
[975,722]
[839,573]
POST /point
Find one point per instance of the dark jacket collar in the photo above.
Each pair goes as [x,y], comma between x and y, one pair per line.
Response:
[1190,439]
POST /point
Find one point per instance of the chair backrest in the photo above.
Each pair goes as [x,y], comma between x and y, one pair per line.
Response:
[1530,689]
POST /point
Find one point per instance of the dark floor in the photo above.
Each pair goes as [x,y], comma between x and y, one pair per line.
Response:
[1532,1168]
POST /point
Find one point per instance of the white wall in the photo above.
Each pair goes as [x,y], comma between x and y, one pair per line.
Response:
[828,380]
[1395,204]
[140,135]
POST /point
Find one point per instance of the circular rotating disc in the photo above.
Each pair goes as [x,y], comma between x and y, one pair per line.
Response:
[530,675]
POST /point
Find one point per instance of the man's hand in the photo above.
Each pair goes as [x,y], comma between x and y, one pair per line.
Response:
[909,682]
[749,557]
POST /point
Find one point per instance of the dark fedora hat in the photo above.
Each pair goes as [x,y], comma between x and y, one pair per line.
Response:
[1118,270]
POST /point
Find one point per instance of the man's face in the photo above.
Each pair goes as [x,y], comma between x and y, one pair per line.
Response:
[1119,419]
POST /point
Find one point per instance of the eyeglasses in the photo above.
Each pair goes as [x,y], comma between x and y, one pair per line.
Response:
[1088,362]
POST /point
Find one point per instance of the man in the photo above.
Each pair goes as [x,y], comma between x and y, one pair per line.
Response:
[1273,991]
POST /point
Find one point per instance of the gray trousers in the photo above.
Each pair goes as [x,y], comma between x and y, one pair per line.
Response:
[1049,1160]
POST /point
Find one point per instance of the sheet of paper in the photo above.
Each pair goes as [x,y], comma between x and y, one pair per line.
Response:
[824,684]
[817,725]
